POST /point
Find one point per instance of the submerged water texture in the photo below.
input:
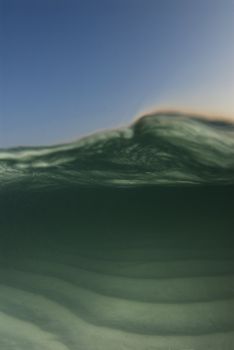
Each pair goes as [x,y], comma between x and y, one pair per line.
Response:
[122,240]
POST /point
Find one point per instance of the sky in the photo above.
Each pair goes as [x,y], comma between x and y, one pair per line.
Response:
[71,67]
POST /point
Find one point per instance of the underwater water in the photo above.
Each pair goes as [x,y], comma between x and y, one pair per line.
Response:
[122,240]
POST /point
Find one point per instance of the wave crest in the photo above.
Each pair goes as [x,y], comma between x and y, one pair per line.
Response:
[164,148]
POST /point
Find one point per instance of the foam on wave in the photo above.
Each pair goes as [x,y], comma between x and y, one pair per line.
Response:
[161,148]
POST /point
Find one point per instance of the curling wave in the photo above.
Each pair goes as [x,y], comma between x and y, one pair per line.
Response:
[161,148]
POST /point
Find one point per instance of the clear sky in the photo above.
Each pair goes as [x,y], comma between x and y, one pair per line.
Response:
[71,67]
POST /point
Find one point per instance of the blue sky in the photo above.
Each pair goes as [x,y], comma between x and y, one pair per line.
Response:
[71,67]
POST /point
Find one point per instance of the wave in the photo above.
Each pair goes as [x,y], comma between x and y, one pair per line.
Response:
[158,149]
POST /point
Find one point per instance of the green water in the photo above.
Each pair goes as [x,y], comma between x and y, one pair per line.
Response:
[120,241]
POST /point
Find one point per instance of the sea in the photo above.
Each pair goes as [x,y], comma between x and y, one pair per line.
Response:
[121,240]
